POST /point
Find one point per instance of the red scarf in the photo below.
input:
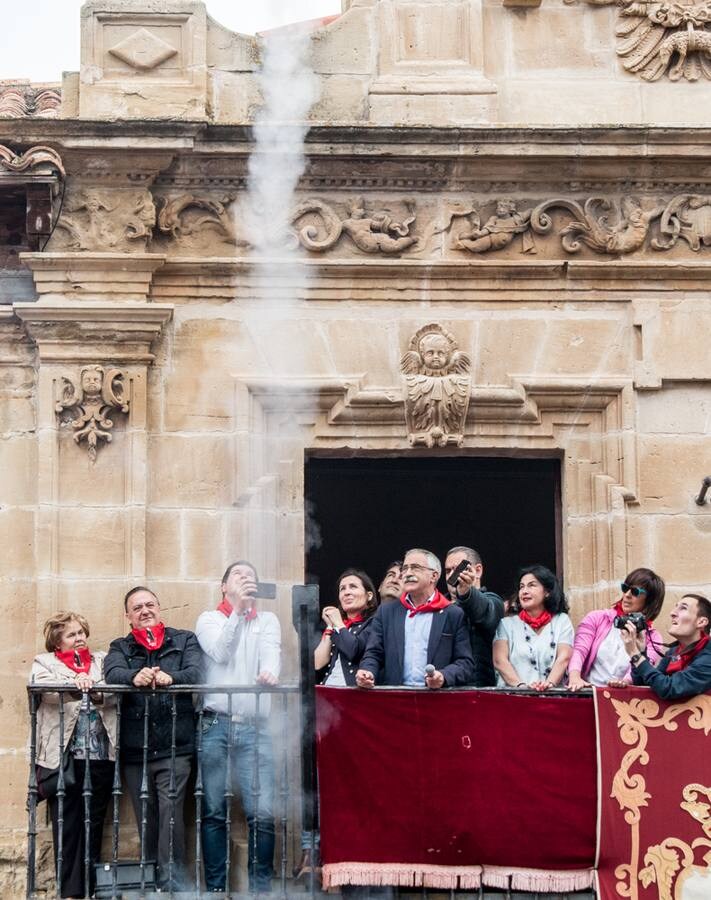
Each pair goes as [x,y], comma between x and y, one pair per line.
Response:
[619,611]
[681,660]
[226,609]
[439,601]
[535,622]
[152,637]
[354,621]
[78,661]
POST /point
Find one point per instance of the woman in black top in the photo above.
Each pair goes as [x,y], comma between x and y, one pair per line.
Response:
[347,627]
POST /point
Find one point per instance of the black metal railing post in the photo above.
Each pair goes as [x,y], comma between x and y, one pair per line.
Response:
[199,794]
[116,796]
[305,615]
[32,799]
[84,712]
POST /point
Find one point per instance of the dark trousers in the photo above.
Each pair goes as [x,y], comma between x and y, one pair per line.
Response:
[160,836]
[73,825]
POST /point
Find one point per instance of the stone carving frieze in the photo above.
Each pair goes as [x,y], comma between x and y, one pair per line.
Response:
[188,218]
[606,226]
[95,219]
[657,37]
[371,232]
[88,400]
[438,387]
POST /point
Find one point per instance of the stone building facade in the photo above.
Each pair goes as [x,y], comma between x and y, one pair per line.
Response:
[523,187]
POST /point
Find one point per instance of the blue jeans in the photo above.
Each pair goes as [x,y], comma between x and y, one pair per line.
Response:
[259,811]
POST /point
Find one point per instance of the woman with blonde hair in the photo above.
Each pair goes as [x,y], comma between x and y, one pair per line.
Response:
[68,661]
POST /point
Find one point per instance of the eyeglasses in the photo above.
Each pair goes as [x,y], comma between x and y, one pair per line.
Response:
[635,591]
[416,567]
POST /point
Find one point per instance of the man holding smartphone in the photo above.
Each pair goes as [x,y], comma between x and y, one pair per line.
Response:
[483,609]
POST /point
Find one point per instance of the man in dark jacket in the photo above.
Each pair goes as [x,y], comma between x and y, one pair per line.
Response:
[685,670]
[422,629]
[483,609]
[151,656]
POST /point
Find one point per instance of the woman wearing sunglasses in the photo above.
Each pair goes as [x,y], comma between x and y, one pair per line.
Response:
[599,656]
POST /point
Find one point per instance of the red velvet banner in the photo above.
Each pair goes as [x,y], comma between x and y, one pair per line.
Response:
[439,788]
[655,795]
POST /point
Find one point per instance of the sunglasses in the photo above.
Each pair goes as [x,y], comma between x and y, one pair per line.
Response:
[635,591]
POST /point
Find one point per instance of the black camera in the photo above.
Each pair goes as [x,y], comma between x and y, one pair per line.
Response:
[636,618]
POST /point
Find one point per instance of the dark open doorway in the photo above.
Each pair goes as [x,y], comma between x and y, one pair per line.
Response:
[369,509]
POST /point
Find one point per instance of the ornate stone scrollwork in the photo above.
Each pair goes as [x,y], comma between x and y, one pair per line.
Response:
[592,226]
[656,37]
[99,391]
[374,233]
[438,387]
[497,232]
[687,216]
[105,220]
[178,217]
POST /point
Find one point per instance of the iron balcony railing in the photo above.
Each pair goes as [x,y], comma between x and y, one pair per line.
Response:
[284,743]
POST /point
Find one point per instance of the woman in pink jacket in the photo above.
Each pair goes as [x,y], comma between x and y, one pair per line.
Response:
[599,657]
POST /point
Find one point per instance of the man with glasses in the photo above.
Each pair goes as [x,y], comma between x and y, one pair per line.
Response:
[483,609]
[422,640]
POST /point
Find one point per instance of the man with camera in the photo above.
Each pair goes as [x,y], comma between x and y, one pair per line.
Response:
[242,645]
[483,609]
[685,670]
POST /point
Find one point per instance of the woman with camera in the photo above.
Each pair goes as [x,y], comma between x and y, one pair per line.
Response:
[534,640]
[599,655]
[86,739]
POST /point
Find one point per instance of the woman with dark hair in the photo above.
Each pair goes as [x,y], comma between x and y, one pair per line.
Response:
[534,640]
[347,627]
[336,657]
[92,739]
[599,655]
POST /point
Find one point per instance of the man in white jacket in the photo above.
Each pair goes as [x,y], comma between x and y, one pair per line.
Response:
[242,646]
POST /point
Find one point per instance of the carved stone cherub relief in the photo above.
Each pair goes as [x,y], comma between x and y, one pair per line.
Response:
[656,37]
[94,219]
[376,232]
[98,393]
[496,233]
[438,386]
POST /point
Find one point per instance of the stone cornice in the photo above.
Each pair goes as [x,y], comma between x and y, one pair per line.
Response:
[82,331]
[115,276]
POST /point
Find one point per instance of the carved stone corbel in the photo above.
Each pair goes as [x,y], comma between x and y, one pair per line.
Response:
[438,388]
[96,392]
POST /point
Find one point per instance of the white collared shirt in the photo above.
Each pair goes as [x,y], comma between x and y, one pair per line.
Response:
[237,650]
[417,638]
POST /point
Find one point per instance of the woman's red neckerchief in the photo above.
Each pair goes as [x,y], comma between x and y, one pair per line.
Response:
[151,637]
[535,622]
[354,621]
[78,661]
[681,660]
[226,609]
[439,601]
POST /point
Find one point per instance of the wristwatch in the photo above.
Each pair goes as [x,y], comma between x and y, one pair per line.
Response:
[636,658]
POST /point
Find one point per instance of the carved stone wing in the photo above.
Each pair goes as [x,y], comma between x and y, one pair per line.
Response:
[460,362]
[70,394]
[112,391]
[411,363]
[455,402]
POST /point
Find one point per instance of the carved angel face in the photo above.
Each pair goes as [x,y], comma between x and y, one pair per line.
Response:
[435,351]
[505,207]
[91,381]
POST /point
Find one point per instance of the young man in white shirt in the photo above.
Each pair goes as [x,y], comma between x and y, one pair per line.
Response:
[242,646]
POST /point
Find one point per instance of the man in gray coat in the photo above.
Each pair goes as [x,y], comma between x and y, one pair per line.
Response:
[483,610]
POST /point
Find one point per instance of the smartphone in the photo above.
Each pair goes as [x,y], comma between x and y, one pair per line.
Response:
[454,577]
[266,590]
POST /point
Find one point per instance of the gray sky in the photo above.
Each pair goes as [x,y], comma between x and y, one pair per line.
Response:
[40,38]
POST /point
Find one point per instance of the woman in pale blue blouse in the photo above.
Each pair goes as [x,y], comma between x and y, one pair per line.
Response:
[534,641]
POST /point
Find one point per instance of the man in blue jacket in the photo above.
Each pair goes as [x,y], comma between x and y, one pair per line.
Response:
[686,668]
[423,629]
